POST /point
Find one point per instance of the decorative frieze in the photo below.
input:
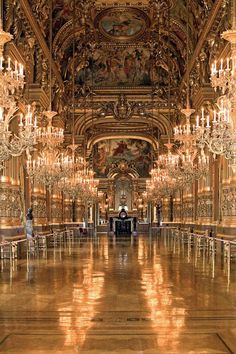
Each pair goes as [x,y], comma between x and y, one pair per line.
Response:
[229,201]
[10,205]
[188,210]
[204,206]
[56,209]
[39,206]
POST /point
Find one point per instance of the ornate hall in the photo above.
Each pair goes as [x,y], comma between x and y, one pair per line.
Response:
[118,176]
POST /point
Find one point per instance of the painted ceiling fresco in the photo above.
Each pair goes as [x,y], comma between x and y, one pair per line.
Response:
[119,25]
[122,57]
[125,45]
[116,67]
[108,153]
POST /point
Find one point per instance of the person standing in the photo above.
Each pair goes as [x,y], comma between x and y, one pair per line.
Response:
[29,224]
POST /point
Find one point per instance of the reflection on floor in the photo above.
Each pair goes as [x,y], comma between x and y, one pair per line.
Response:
[134,295]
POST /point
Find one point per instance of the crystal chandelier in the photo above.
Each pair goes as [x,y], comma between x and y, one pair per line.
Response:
[51,164]
[216,134]
[191,165]
[71,183]
[46,168]
[12,81]
[89,186]
[185,133]
[71,186]
[161,184]
[80,185]
[12,144]
[220,136]
[50,136]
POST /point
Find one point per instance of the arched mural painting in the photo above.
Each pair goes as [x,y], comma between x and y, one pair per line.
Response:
[108,154]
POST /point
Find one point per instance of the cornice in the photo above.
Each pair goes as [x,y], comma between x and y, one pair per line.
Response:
[37,94]
[205,93]
[37,31]
[15,54]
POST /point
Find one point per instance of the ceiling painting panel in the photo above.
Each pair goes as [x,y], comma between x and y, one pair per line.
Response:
[117,66]
[121,24]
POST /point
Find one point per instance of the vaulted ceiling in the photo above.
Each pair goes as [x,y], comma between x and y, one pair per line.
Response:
[130,60]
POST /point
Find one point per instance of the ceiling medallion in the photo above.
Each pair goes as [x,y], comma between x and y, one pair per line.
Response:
[122,24]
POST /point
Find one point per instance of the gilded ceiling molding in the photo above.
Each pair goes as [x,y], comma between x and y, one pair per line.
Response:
[37,31]
[180,41]
[161,122]
[208,25]
[123,171]
[37,94]
[103,4]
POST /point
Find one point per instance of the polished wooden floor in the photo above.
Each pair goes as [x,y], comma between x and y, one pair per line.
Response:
[134,295]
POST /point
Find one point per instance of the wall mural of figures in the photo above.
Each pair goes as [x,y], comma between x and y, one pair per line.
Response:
[108,153]
[117,66]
